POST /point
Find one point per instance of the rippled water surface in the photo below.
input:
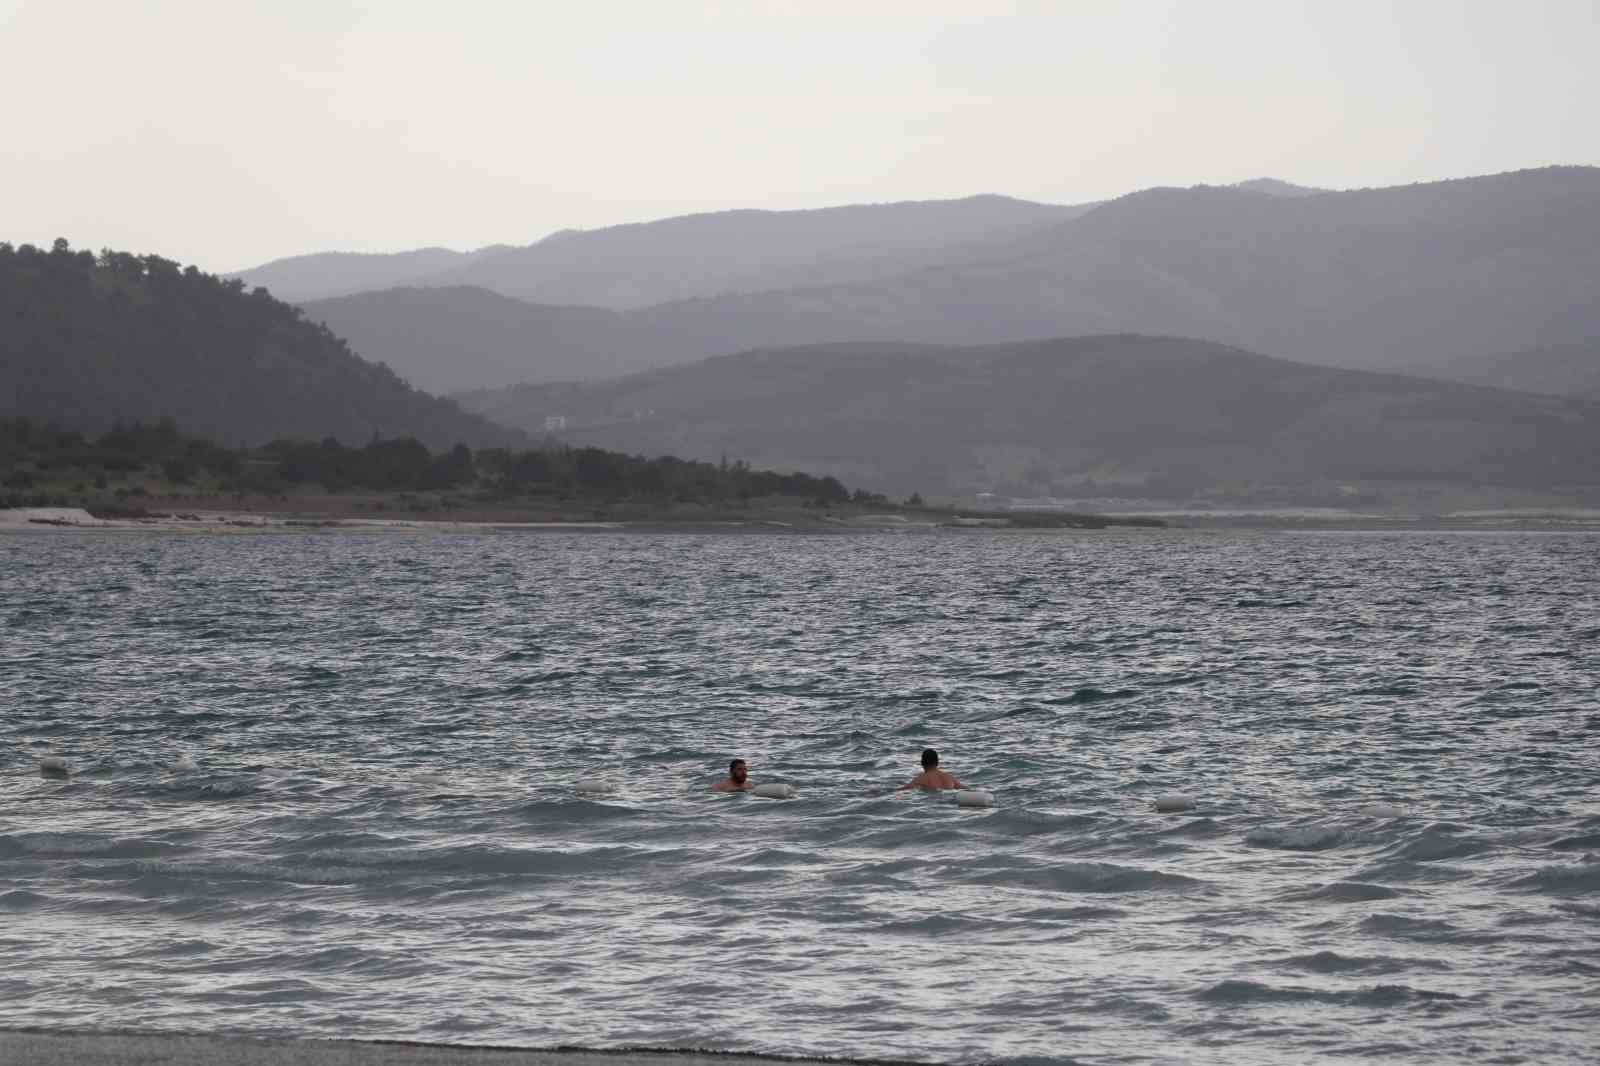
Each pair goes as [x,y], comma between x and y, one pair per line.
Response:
[326,785]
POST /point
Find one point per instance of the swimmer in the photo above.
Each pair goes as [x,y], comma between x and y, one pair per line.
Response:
[931,776]
[738,779]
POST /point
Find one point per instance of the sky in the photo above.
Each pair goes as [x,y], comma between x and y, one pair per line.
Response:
[227,133]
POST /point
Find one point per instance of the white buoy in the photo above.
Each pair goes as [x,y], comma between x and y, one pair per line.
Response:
[775,791]
[974,797]
[591,787]
[186,762]
[1382,810]
[1174,801]
[52,764]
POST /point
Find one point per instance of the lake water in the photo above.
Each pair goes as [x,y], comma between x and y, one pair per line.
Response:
[326,785]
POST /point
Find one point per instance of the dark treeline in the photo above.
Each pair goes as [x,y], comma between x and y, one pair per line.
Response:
[88,342]
[45,464]
[555,469]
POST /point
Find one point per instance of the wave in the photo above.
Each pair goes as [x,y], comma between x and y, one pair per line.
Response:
[1073,914]
[20,899]
[215,789]
[1577,879]
[1083,877]
[1249,993]
[1424,930]
[1435,842]
[1296,838]
[1090,694]
[1331,962]
[578,811]
[1580,841]
[1344,892]
[935,925]
[83,846]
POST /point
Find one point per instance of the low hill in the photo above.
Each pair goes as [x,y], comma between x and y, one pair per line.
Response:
[1122,415]
[323,274]
[691,256]
[1438,279]
[461,337]
[1557,370]
[89,342]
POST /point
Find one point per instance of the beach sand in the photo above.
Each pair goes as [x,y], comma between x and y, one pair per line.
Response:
[33,1048]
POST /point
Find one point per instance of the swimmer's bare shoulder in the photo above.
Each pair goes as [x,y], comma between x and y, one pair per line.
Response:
[932,779]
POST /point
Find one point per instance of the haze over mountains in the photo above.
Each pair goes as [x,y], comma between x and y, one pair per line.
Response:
[1491,279]
[640,264]
[1121,416]
[323,274]
[1138,347]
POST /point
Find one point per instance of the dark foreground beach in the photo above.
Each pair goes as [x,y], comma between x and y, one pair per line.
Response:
[138,1049]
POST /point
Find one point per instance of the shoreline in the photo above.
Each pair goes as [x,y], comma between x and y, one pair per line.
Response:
[79,520]
[45,1047]
[275,517]
[296,517]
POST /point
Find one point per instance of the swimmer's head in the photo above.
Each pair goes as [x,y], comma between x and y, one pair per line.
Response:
[930,758]
[738,771]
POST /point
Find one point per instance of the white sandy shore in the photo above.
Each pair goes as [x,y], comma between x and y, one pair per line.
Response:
[136,1049]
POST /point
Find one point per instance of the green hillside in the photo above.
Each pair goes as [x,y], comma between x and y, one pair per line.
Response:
[88,342]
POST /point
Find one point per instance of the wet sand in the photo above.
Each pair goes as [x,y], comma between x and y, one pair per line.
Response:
[138,1049]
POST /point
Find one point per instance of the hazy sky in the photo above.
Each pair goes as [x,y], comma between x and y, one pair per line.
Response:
[229,132]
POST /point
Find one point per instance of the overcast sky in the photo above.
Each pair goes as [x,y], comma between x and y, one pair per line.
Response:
[228,132]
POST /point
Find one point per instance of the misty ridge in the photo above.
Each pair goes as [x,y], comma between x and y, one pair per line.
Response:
[1490,280]
[636,265]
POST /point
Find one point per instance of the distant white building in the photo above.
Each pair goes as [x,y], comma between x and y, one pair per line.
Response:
[555,423]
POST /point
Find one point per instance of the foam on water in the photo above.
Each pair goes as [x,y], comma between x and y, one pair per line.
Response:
[1258,798]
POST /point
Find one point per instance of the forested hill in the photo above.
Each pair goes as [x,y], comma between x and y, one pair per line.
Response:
[1087,417]
[88,342]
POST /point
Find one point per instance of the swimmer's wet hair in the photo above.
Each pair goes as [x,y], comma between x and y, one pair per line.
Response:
[930,758]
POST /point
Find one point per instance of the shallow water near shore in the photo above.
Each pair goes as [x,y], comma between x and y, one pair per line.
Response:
[326,785]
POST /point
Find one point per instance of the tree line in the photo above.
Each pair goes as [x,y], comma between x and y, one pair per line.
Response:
[41,463]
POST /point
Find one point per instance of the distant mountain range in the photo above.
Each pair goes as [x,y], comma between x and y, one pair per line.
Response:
[89,342]
[687,257]
[1121,415]
[1470,279]
[323,274]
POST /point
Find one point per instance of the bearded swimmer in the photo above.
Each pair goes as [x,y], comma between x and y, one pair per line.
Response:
[738,779]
